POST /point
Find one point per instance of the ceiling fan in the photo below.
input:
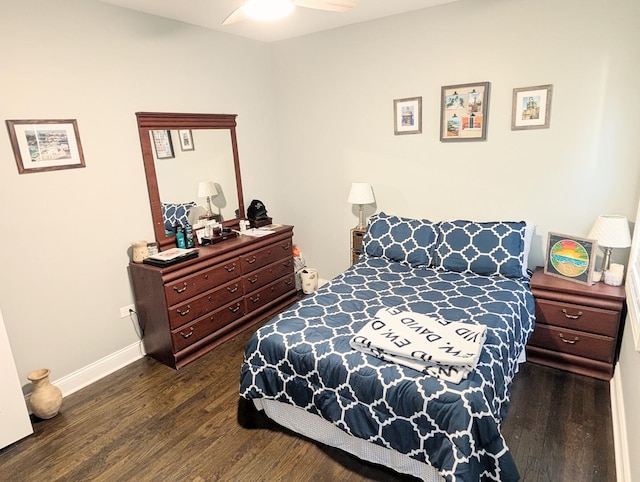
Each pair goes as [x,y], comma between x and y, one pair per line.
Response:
[267,10]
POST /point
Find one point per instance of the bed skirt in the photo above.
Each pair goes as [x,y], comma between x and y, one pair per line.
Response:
[320,430]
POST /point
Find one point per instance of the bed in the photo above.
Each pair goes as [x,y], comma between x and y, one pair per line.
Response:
[302,371]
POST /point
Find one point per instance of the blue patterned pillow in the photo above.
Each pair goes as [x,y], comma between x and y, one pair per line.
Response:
[408,241]
[481,248]
[176,214]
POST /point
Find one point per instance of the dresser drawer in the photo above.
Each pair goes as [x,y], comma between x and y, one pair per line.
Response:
[198,329]
[270,292]
[587,345]
[578,317]
[208,301]
[266,275]
[357,240]
[184,288]
[258,259]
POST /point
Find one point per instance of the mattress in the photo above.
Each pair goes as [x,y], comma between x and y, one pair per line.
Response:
[302,358]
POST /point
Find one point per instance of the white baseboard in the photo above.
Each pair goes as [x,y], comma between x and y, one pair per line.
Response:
[99,369]
[623,470]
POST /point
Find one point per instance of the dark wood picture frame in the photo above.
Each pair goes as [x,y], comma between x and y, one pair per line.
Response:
[41,145]
[464,112]
[570,257]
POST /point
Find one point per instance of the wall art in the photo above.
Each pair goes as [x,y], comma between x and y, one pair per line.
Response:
[45,145]
[162,144]
[464,111]
[531,107]
[407,115]
[186,140]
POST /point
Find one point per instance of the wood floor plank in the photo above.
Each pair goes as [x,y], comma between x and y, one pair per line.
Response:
[147,422]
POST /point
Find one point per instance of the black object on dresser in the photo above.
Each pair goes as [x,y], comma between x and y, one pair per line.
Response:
[187,309]
[578,327]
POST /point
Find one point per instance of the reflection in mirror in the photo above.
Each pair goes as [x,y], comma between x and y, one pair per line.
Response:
[211,159]
[176,163]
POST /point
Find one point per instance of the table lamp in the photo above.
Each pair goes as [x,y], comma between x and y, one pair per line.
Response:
[611,231]
[361,193]
[207,189]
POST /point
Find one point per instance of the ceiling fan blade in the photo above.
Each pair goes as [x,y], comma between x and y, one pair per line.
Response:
[236,16]
[329,5]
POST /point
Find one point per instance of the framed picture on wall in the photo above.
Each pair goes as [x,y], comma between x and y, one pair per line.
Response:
[531,107]
[407,116]
[186,140]
[162,144]
[464,109]
[45,145]
[570,257]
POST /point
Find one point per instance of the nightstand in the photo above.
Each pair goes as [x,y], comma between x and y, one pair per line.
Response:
[357,235]
[577,326]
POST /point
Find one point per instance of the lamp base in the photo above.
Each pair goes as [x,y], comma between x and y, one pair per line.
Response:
[361,223]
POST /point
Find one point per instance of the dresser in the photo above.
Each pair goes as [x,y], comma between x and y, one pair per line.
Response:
[189,308]
[578,326]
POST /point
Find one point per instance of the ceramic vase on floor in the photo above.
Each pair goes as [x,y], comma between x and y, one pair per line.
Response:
[45,399]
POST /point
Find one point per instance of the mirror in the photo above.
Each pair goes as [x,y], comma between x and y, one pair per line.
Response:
[181,150]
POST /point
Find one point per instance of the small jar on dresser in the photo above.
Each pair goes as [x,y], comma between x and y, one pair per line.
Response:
[578,326]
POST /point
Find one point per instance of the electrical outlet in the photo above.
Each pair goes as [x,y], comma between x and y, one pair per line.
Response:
[124,311]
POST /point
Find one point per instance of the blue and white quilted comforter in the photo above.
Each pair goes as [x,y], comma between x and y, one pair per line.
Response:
[302,357]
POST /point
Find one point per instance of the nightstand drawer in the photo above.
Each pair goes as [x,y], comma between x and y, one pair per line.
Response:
[587,345]
[577,317]
[357,240]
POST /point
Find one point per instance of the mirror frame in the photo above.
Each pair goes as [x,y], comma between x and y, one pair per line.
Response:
[150,121]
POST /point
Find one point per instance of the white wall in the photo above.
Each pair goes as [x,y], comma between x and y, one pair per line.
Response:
[67,233]
[335,94]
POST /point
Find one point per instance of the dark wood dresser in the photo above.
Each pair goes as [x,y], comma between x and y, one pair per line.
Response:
[357,235]
[189,308]
[578,327]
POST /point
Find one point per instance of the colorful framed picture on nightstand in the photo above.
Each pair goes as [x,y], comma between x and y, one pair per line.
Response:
[570,257]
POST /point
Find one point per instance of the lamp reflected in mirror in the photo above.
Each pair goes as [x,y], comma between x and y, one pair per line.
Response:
[207,189]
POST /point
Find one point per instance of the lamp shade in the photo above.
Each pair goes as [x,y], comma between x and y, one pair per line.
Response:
[361,193]
[206,189]
[611,231]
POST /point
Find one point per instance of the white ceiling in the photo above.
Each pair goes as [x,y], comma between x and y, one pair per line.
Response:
[211,13]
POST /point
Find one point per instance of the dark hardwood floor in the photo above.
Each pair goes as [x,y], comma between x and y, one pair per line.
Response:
[148,422]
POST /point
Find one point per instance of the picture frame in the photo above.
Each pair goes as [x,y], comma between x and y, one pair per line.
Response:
[45,144]
[162,144]
[186,140]
[570,257]
[531,107]
[407,116]
[464,111]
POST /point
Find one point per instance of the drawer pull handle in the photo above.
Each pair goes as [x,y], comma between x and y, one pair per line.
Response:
[571,317]
[232,289]
[234,309]
[254,280]
[206,276]
[570,342]
[187,335]
[180,290]
[231,268]
[250,260]
[184,313]
[288,282]
[286,246]
[256,299]
[287,264]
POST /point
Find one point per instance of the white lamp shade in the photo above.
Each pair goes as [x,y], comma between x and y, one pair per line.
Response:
[611,231]
[206,189]
[361,193]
